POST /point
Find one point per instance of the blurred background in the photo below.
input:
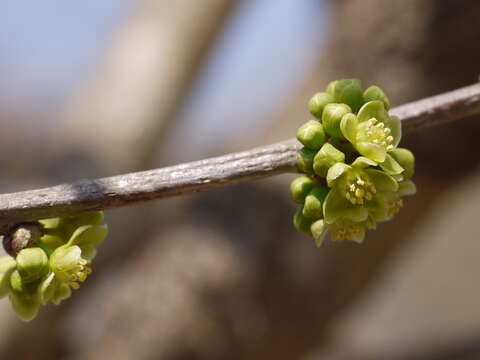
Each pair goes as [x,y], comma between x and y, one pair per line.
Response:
[96,88]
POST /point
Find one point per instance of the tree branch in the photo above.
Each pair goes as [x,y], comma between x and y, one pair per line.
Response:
[122,190]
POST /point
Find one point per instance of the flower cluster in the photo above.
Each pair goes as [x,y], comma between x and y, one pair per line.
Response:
[46,267]
[355,175]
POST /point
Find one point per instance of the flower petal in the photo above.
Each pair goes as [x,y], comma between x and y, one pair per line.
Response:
[372,109]
[26,306]
[335,171]
[372,151]
[382,181]
[395,125]
[319,231]
[348,126]
[391,166]
[88,235]
[363,162]
[406,188]
[336,207]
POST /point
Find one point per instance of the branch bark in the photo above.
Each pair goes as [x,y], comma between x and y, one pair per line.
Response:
[122,190]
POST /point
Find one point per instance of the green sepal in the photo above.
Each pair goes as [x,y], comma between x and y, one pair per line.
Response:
[305,161]
[326,157]
[406,159]
[376,93]
[313,207]
[331,118]
[391,166]
[300,187]
[318,102]
[311,135]
[301,222]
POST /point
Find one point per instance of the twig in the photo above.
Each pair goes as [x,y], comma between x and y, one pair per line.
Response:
[123,190]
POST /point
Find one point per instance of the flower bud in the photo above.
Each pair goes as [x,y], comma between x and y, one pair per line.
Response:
[325,158]
[406,160]
[32,264]
[331,118]
[305,161]
[311,135]
[301,222]
[318,102]
[349,91]
[21,237]
[313,207]
[376,93]
[300,187]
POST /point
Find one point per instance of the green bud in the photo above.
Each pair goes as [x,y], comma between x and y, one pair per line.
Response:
[305,160]
[318,102]
[311,135]
[7,266]
[300,187]
[32,264]
[376,93]
[16,282]
[319,230]
[301,222]
[349,91]
[331,118]
[406,160]
[331,88]
[313,207]
[325,158]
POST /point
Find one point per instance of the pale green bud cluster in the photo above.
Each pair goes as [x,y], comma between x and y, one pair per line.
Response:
[355,174]
[50,265]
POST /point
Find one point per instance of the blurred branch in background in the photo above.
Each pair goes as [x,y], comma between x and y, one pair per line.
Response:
[128,189]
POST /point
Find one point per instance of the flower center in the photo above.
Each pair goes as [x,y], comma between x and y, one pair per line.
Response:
[394,207]
[80,274]
[348,232]
[359,190]
[376,132]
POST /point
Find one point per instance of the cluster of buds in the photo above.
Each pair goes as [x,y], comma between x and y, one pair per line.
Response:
[48,259]
[354,172]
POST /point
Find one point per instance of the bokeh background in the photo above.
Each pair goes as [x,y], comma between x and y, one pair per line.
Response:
[96,88]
